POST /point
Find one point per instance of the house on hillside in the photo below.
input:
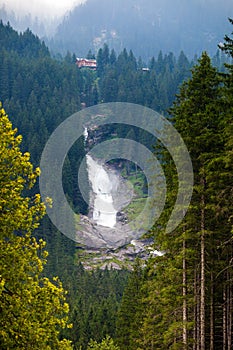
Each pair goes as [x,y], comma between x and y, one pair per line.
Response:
[86,63]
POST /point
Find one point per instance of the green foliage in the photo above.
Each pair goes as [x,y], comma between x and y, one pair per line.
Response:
[33,309]
[95,300]
[25,45]
[106,344]
[123,79]
[195,272]
[129,314]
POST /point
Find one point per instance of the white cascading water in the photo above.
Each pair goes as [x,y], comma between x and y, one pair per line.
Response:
[85,134]
[104,213]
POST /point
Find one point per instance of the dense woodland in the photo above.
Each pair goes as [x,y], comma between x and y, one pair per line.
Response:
[181,300]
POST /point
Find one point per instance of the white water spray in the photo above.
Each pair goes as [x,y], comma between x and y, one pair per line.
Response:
[104,213]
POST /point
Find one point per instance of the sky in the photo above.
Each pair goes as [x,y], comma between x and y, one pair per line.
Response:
[40,8]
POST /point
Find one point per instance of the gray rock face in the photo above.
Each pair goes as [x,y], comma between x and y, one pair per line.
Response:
[121,258]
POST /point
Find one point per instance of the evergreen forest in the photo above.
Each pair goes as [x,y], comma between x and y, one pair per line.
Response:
[182,299]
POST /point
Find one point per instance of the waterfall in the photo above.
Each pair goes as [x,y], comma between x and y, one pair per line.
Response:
[104,213]
[85,134]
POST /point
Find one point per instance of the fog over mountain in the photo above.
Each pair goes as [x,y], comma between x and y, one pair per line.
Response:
[40,8]
[145,26]
[41,16]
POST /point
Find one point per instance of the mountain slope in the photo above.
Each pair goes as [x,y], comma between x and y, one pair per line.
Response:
[145,26]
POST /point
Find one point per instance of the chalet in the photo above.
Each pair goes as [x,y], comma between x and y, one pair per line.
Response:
[86,63]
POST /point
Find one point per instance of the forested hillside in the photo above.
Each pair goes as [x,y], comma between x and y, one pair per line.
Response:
[144,26]
[183,299]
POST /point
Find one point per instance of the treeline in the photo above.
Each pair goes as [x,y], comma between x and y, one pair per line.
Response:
[126,79]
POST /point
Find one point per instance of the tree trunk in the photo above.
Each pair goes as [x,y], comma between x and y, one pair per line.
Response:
[202,295]
[184,298]
[224,318]
[202,292]
[195,310]
[212,313]
[196,330]
[229,313]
